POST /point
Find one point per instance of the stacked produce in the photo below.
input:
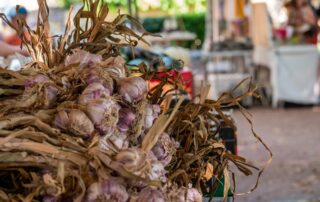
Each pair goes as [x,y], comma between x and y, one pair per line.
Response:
[75,125]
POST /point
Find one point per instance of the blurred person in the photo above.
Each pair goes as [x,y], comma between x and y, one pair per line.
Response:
[7,49]
[302,19]
[13,15]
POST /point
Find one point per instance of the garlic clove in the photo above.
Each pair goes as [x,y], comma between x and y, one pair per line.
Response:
[157,172]
[51,93]
[132,89]
[104,114]
[151,113]
[61,120]
[92,92]
[114,143]
[149,194]
[74,121]
[82,57]
[80,124]
[126,118]
[39,78]
[93,192]
[97,75]
[49,198]
[108,190]
[132,159]
[184,194]
[165,148]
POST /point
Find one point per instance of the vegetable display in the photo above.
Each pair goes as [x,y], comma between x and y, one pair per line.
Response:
[75,125]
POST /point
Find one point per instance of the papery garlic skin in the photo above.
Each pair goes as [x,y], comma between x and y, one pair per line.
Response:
[108,190]
[126,118]
[92,92]
[149,194]
[82,57]
[97,75]
[61,120]
[51,93]
[115,67]
[104,114]
[132,89]
[151,113]
[184,194]
[74,121]
[50,199]
[40,78]
[132,159]
[49,89]
[157,171]
[165,148]
[114,142]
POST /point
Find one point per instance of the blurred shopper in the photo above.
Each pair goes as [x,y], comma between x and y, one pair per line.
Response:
[13,16]
[6,50]
[302,19]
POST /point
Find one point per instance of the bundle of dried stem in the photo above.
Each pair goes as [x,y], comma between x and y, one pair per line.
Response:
[75,126]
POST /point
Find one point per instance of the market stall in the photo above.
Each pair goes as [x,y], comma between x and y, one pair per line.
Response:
[294,71]
[225,69]
[291,57]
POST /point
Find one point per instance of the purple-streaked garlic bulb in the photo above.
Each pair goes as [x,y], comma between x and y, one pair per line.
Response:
[50,198]
[157,171]
[132,89]
[40,78]
[74,121]
[104,114]
[165,148]
[184,194]
[50,95]
[82,57]
[115,67]
[132,159]
[97,75]
[114,143]
[126,118]
[93,91]
[93,77]
[151,113]
[108,190]
[50,90]
[149,194]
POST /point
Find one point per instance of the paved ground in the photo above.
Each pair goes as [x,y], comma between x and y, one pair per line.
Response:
[294,137]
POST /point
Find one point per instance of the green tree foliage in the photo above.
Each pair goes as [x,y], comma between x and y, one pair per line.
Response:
[112,3]
[171,6]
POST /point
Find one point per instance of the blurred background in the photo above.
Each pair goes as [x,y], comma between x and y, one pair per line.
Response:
[275,42]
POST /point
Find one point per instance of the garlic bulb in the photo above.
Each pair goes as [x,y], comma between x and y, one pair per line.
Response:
[115,67]
[39,78]
[50,91]
[104,114]
[92,92]
[82,57]
[151,113]
[114,142]
[157,171]
[149,194]
[51,94]
[108,190]
[126,118]
[184,194]
[74,121]
[132,159]
[132,89]
[97,75]
[165,148]
[49,198]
